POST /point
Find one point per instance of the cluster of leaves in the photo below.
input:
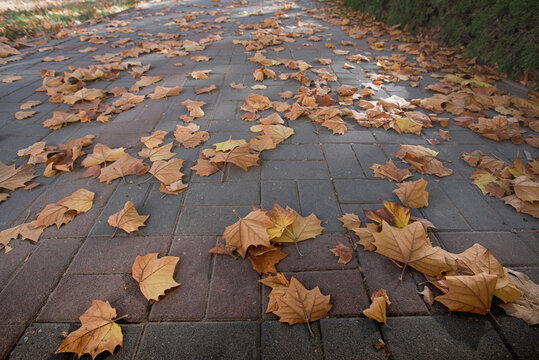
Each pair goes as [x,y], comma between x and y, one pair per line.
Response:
[516,185]
[468,280]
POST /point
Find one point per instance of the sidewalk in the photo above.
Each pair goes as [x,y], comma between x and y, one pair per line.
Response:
[219,310]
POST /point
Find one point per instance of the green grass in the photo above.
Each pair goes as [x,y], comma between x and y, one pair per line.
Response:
[31,18]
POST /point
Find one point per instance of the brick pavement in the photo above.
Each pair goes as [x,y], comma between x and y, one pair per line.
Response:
[218,312]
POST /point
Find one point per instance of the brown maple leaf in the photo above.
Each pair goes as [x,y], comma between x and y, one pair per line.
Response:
[350,221]
[98,332]
[390,171]
[102,154]
[154,140]
[155,275]
[343,252]
[413,194]
[12,178]
[299,305]
[126,165]
[264,259]
[251,230]
[127,219]
[241,156]
[189,136]
[158,153]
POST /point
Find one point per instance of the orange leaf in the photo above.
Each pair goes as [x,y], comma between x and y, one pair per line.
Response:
[377,309]
[249,231]
[413,194]
[343,252]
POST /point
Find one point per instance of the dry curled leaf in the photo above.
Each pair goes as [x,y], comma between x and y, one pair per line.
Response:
[350,221]
[155,275]
[154,140]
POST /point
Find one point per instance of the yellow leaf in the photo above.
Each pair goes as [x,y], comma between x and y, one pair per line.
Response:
[378,307]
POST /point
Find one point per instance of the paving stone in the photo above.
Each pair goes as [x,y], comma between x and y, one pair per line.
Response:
[8,337]
[381,273]
[363,191]
[505,246]
[316,254]
[345,337]
[448,337]
[284,192]
[519,336]
[163,210]
[295,152]
[342,161]
[74,295]
[42,340]
[240,193]
[38,275]
[16,205]
[234,290]
[441,211]
[194,219]
[473,207]
[351,136]
[189,300]
[304,132]
[14,259]
[105,255]
[282,341]
[199,341]
[511,218]
[293,170]
[531,238]
[318,197]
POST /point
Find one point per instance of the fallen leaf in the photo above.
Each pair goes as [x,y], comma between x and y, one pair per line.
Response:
[80,201]
[11,78]
[12,178]
[278,284]
[29,104]
[154,140]
[468,293]
[527,306]
[390,171]
[413,194]
[154,276]
[281,218]
[98,332]
[264,259]
[205,90]
[158,153]
[125,165]
[160,92]
[241,156]
[249,231]
[350,221]
[299,305]
[102,154]
[427,294]
[189,137]
[378,307]
[411,246]
[222,249]
[21,115]
[343,252]
[194,108]
[237,86]
[201,74]
[127,219]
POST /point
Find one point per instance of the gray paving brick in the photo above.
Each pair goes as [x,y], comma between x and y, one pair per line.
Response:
[352,136]
[284,192]
[282,341]
[449,337]
[163,210]
[342,161]
[368,155]
[15,259]
[284,170]
[441,212]
[318,196]
[295,152]
[363,191]
[8,337]
[199,341]
[519,336]
[344,337]
[39,276]
[227,193]
[473,207]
